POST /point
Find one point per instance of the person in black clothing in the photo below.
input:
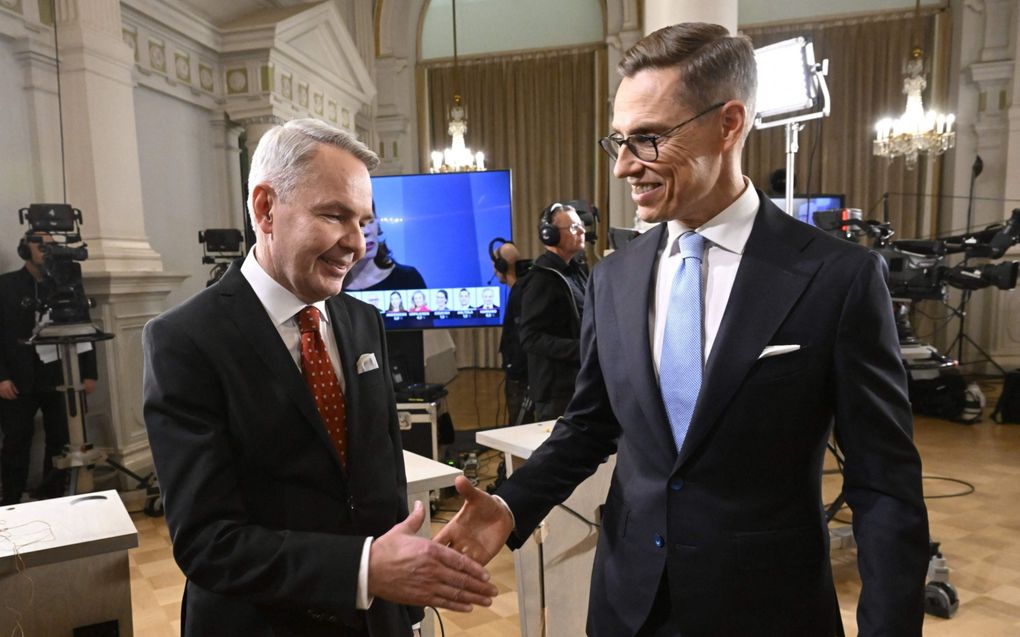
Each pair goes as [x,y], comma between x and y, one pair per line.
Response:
[551,309]
[515,361]
[27,383]
[377,270]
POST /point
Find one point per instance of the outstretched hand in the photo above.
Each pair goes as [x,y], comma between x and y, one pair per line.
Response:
[480,528]
[408,569]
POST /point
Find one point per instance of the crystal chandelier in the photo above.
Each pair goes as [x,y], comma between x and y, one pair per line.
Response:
[458,157]
[914,131]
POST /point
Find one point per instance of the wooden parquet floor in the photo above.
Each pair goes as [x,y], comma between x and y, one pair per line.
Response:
[979,532]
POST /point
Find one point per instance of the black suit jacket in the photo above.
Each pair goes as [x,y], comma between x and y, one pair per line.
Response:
[265,525]
[550,328]
[736,517]
[18,362]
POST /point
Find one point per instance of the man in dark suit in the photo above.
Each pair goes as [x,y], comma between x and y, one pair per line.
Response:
[552,304]
[274,429]
[718,348]
[29,378]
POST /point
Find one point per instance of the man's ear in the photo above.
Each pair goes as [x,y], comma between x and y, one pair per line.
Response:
[263,198]
[734,118]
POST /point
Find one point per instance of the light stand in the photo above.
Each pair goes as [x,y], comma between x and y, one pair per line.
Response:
[790,81]
[961,311]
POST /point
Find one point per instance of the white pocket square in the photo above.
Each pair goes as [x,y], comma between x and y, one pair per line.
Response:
[366,363]
[776,350]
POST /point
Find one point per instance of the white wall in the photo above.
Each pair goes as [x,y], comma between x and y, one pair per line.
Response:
[17,189]
[178,169]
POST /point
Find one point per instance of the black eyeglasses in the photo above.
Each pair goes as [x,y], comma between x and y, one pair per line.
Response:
[644,146]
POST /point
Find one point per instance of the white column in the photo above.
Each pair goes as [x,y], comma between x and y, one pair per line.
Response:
[662,13]
[35,53]
[229,209]
[100,140]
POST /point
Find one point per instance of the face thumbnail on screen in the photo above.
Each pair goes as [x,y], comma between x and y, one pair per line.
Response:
[426,258]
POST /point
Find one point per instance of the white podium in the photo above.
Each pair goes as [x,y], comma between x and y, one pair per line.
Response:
[425,475]
[554,566]
[64,564]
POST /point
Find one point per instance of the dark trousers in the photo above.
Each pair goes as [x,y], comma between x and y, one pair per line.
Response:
[516,391]
[17,420]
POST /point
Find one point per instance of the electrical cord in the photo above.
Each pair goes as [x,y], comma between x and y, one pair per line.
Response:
[442,629]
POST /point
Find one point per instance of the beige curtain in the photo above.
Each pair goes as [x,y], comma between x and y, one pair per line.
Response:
[537,114]
[866,57]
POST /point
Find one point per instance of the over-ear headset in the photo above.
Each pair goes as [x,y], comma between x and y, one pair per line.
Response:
[23,250]
[547,232]
[499,264]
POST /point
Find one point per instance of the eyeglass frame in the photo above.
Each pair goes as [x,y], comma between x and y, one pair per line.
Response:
[573,228]
[611,144]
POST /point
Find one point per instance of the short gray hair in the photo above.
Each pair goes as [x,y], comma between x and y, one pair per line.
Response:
[284,150]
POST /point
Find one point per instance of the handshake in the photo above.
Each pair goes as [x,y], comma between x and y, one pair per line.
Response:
[448,571]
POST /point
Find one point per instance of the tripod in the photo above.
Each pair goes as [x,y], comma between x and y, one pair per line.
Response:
[961,311]
[80,457]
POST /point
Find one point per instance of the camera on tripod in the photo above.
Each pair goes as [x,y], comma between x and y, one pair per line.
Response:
[220,247]
[53,228]
[916,268]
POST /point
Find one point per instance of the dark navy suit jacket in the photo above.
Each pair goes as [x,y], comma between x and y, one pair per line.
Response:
[735,519]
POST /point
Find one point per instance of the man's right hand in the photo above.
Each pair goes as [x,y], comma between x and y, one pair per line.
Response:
[480,528]
[7,390]
[408,569]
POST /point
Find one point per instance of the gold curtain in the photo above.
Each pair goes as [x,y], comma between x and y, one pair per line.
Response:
[536,113]
[866,56]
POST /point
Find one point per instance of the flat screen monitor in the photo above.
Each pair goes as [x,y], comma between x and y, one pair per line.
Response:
[804,207]
[436,230]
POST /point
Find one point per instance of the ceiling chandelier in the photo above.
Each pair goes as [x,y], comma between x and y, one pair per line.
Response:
[458,157]
[915,131]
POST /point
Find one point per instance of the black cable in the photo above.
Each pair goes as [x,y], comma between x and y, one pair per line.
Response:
[442,629]
[970,488]
[60,102]
[578,516]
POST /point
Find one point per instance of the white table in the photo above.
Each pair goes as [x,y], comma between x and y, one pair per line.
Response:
[64,564]
[554,566]
[425,475]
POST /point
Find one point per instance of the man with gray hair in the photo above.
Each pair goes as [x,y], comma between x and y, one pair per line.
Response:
[273,425]
[717,351]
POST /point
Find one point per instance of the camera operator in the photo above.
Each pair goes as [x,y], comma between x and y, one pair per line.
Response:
[28,380]
[551,309]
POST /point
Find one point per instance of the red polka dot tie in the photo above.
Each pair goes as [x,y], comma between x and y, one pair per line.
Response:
[322,381]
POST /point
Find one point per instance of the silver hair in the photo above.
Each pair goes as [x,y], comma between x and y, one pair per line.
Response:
[285,150]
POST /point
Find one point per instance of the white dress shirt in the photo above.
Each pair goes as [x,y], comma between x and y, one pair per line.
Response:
[725,237]
[283,307]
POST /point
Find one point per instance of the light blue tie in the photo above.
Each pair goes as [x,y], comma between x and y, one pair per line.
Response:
[680,365]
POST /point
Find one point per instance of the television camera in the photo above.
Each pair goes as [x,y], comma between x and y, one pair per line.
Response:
[220,247]
[63,323]
[54,229]
[916,268]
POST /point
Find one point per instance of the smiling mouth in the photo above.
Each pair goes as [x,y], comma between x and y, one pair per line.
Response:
[340,267]
[640,189]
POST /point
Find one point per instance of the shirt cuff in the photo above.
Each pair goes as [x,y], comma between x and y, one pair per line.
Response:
[364,600]
[506,506]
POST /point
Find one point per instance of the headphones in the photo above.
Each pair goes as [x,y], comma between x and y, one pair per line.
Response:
[23,250]
[499,264]
[547,232]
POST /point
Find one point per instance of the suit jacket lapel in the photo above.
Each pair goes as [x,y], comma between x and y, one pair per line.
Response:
[631,307]
[243,307]
[767,285]
[343,332]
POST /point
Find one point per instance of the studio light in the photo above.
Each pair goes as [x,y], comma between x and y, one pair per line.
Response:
[791,90]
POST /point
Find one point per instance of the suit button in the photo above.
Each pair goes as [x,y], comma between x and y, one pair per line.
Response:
[677,484]
[332,619]
[659,541]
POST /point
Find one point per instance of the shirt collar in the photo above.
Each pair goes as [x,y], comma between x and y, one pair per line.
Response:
[280,303]
[730,228]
